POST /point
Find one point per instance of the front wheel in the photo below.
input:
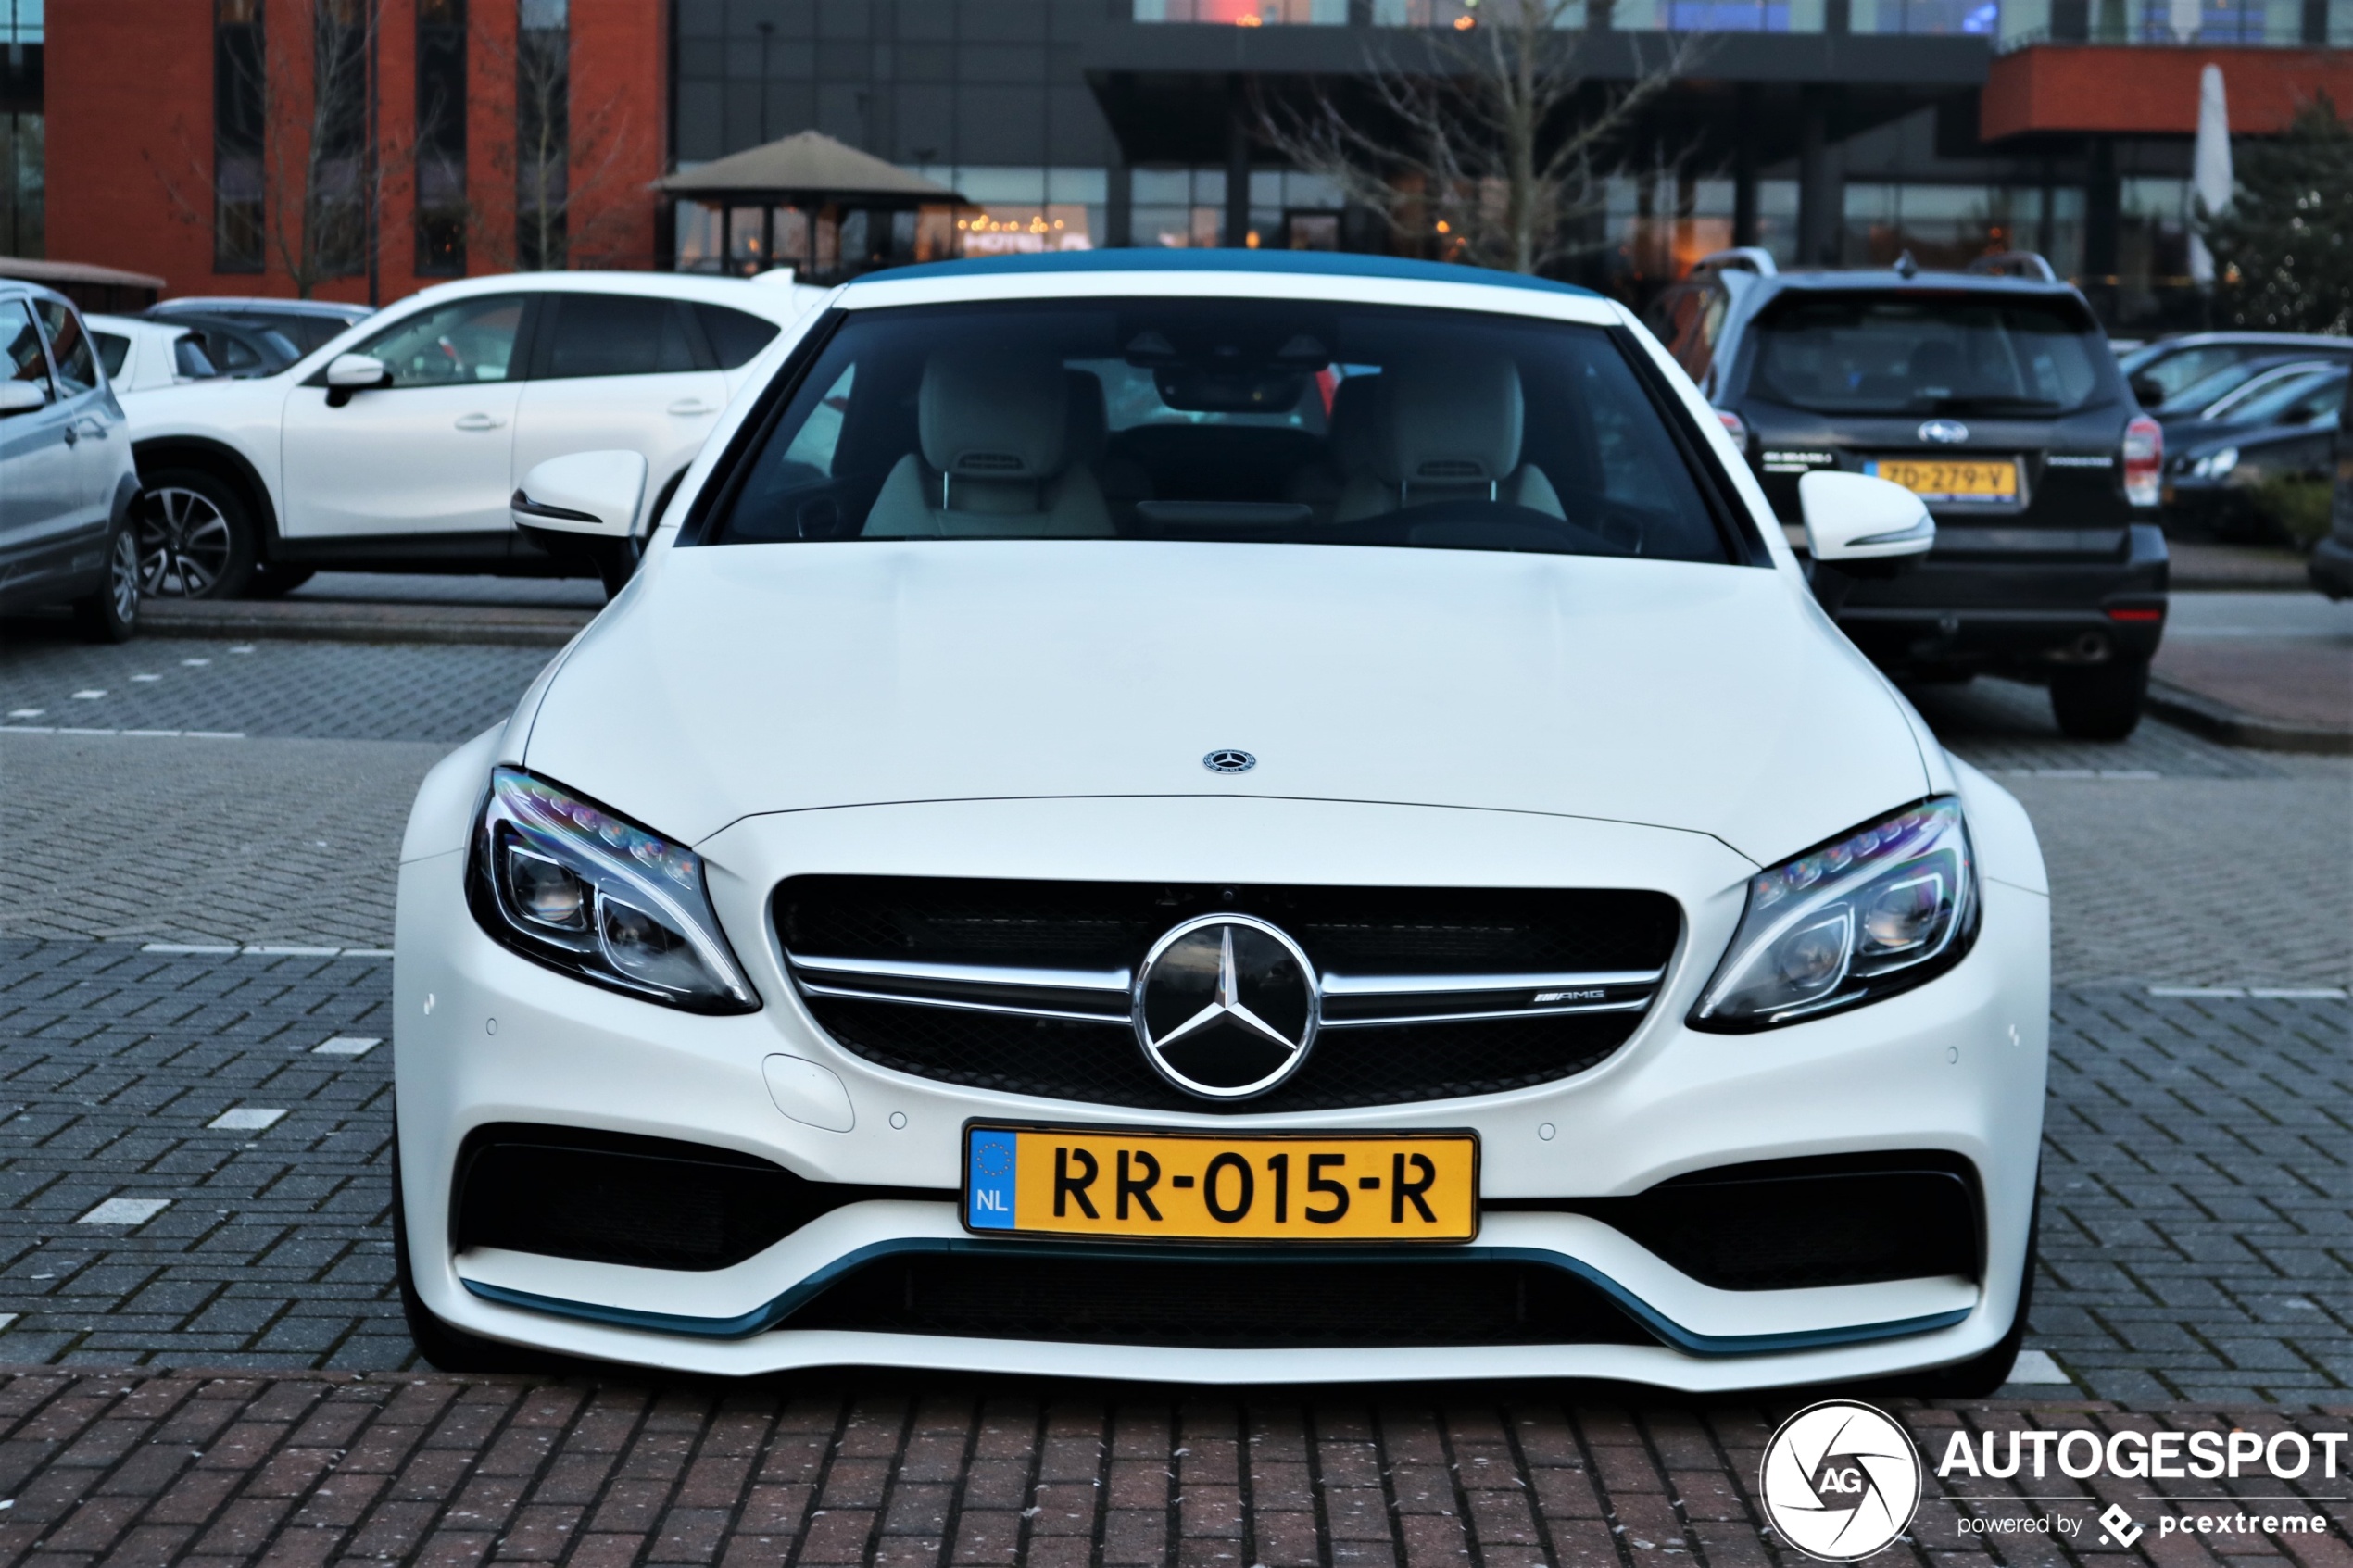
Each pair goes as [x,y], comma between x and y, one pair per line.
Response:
[109,613]
[2099,701]
[196,537]
[1978,1376]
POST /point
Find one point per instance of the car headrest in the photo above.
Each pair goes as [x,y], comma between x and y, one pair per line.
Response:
[1452,419]
[1355,424]
[1090,425]
[994,414]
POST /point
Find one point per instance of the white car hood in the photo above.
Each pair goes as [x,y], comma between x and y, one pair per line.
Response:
[747,679]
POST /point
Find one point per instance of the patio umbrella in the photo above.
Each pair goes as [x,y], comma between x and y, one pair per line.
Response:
[2210,172]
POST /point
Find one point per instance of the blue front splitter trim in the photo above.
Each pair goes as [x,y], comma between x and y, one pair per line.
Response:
[762,1319]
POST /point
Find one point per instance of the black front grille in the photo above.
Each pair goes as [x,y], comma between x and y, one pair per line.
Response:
[1788,1225]
[1106,924]
[1119,1300]
[615,1198]
[1099,1063]
[1353,932]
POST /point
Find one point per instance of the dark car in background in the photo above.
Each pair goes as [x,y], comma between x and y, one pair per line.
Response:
[1997,400]
[306,323]
[2330,566]
[2253,472]
[2174,375]
[239,349]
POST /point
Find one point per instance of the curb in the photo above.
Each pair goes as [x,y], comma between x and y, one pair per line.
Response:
[357,623]
[2216,721]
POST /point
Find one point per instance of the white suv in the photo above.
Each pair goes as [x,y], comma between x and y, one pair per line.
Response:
[396,445]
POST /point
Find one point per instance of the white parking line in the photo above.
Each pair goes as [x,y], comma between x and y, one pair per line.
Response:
[65,730]
[2036,1366]
[347,1045]
[125,1211]
[2264,993]
[247,1119]
[262,951]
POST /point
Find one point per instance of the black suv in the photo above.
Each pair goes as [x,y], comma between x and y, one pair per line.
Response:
[1995,396]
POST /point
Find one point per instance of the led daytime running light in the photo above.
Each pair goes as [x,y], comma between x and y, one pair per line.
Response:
[636,915]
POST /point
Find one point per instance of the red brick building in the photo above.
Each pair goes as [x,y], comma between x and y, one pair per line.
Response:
[182,135]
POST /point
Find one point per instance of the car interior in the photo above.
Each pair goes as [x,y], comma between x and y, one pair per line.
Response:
[1222,420]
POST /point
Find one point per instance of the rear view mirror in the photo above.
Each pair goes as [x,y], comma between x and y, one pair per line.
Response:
[593,493]
[22,398]
[1852,517]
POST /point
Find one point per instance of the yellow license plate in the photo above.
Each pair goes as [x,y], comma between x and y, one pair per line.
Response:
[1947,478]
[1221,1186]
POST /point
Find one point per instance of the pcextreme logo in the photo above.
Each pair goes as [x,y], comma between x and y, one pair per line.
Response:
[1841,1480]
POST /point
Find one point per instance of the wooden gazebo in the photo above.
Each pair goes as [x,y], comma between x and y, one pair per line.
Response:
[812,204]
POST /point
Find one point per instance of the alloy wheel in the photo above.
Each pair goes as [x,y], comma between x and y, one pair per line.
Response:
[184,542]
[123,577]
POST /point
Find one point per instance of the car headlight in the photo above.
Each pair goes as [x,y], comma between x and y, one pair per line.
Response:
[1875,911]
[570,884]
[2214,465]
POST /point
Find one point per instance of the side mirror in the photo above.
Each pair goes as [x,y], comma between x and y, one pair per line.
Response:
[1852,517]
[347,373]
[2146,390]
[595,494]
[357,373]
[22,398]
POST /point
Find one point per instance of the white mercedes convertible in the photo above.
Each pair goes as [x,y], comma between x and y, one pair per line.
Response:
[1221,818]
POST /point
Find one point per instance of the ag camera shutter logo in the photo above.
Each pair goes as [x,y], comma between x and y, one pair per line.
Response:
[1840,1481]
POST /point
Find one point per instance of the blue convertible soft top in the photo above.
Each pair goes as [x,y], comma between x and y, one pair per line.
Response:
[1307,263]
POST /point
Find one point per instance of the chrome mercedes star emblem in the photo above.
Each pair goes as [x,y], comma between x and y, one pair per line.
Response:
[1224,1007]
[1228,761]
[1947,433]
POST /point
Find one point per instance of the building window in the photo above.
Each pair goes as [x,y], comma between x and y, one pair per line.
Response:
[1948,226]
[1246,13]
[21,205]
[543,122]
[239,89]
[441,138]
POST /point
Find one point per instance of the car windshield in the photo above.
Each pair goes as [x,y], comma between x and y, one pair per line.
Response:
[2304,397]
[1919,352]
[2173,370]
[1278,422]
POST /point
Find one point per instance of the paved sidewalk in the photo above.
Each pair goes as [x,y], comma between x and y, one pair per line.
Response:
[2259,669]
[445,1471]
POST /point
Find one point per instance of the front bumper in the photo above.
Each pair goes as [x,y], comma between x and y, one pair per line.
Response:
[484,1036]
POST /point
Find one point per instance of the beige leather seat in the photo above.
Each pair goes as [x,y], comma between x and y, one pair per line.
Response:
[997,459]
[1348,449]
[1447,427]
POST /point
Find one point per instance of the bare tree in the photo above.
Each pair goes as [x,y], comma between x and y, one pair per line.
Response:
[564,158]
[307,177]
[1498,149]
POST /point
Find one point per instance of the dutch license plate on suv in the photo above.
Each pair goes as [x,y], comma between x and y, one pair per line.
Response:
[1949,479]
[1220,1186]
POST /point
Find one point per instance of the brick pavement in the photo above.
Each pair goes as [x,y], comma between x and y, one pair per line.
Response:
[324,691]
[2198,1172]
[433,1470]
